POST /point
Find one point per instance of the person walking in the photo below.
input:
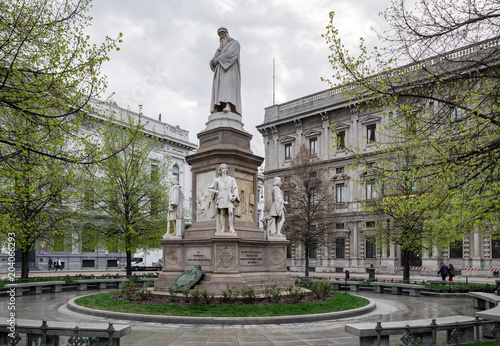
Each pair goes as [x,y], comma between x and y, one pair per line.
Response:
[451,271]
[443,270]
[51,264]
[58,264]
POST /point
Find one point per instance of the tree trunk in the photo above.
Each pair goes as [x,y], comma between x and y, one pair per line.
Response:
[129,263]
[25,267]
[306,269]
[406,270]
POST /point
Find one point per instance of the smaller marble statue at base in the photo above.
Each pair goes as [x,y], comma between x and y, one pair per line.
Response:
[175,218]
[224,191]
[276,218]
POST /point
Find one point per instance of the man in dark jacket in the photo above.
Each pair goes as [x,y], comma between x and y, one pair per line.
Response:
[443,270]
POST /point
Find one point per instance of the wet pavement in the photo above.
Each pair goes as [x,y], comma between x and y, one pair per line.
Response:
[52,307]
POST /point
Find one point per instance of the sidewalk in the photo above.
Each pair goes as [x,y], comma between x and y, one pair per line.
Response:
[399,277]
[52,307]
[330,276]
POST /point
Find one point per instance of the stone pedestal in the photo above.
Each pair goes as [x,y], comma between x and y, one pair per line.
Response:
[232,261]
[246,257]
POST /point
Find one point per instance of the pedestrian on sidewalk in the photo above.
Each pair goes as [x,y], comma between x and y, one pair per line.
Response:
[443,270]
[51,264]
[451,271]
[58,264]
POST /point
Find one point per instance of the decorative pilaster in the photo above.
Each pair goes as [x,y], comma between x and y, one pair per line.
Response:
[326,138]
[298,130]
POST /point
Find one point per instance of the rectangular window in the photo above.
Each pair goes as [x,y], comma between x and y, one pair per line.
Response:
[340,193]
[340,248]
[287,198]
[288,151]
[313,253]
[339,226]
[457,114]
[313,196]
[495,246]
[154,173]
[456,249]
[371,248]
[313,146]
[87,241]
[370,189]
[370,133]
[153,201]
[339,170]
[370,224]
[341,140]
[86,263]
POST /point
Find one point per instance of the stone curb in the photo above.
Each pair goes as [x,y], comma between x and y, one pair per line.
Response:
[222,320]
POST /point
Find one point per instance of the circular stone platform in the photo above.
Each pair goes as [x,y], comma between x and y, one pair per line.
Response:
[222,320]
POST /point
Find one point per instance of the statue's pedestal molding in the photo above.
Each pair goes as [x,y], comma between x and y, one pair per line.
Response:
[226,234]
[172,236]
[224,119]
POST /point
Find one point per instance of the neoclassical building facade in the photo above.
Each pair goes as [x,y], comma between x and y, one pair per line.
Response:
[171,141]
[327,122]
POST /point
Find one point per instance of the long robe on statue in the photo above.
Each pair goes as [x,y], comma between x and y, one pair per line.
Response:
[175,201]
[278,205]
[226,87]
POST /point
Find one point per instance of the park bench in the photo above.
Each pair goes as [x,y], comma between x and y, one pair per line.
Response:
[36,287]
[353,285]
[82,285]
[378,333]
[490,302]
[397,288]
[145,281]
[52,331]
[484,300]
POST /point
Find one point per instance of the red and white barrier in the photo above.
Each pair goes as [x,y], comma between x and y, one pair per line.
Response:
[471,270]
[495,270]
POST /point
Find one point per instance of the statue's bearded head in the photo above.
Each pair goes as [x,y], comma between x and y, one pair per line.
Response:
[224,36]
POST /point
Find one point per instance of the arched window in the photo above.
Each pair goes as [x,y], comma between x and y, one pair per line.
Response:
[175,171]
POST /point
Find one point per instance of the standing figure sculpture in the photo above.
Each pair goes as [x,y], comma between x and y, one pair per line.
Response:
[226,87]
[225,194]
[277,213]
[175,220]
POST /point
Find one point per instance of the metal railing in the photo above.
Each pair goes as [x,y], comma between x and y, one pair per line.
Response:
[456,334]
[75,339]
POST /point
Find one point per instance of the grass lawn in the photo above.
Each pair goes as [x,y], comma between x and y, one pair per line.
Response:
[340,302]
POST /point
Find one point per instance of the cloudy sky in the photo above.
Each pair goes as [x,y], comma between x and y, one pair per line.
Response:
[163,61]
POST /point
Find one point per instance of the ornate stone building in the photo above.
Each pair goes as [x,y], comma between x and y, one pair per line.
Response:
[350,245]
[172,141]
